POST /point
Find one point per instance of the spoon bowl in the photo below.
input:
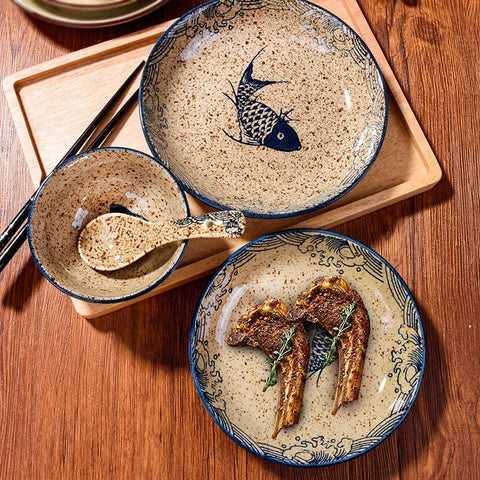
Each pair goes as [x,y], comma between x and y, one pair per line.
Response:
[115,240]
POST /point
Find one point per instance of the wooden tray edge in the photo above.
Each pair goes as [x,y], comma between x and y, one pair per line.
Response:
[84,54]
[411,121]
[19,120]
[12,83]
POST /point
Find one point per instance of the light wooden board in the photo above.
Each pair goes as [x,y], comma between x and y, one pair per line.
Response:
[52,103]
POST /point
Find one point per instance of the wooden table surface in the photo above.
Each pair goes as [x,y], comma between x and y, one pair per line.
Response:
[114,397]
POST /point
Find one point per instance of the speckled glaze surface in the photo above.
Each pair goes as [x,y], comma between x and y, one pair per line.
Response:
[114,240]
[230,379]
[84,188]
[273,107]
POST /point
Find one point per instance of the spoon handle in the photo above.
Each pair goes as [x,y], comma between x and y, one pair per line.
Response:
[115,240]
[227,223]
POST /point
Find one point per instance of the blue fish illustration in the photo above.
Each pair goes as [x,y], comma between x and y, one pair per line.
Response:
[259,124]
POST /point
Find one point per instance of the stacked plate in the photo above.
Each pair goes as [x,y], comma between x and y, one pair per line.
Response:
[89,3]
[89,13]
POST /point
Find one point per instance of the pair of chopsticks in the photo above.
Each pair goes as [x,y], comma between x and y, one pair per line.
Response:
[15,234]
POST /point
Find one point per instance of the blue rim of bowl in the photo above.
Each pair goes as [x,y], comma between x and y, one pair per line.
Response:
[246,212]
[212,280]
[92,299]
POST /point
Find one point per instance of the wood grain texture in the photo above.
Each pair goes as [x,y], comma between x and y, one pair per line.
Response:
[113,397]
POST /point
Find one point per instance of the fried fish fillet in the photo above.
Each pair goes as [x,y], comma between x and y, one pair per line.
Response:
[265,327]
[324,303]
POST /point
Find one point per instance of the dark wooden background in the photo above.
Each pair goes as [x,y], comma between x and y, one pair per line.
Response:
[114,398]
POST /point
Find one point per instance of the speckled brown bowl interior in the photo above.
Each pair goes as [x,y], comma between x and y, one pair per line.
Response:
[84,188]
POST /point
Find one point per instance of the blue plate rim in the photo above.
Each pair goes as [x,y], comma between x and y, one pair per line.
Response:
[247,212]
[212,280]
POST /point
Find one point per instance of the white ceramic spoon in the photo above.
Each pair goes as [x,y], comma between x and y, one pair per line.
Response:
[115,240]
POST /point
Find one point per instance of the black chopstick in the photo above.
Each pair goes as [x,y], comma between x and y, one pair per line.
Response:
[12,248]
[8,245]
[21,216]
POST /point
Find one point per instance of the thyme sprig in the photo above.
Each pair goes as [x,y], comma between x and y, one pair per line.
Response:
[339,331]
[285,349]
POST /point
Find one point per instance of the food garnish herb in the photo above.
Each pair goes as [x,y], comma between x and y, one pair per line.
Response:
[339,331]
[285,349]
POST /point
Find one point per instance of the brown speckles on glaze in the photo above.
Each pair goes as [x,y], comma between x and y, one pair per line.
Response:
[92,182]
[115,240]
[317,81]
[283,272]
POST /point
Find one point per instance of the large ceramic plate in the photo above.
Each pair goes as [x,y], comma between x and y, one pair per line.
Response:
[86,18]
[230,379]
[273,107]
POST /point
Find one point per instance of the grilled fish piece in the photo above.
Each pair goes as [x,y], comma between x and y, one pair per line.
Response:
[324,303]
[264,327]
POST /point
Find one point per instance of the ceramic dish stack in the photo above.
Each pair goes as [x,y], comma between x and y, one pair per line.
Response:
[88,13]
[89,4]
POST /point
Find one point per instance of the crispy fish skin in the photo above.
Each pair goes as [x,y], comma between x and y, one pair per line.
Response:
[324,303]
[264,327]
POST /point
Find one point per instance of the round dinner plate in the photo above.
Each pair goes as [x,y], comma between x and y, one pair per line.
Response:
[272,107]
[230,379]
[89,18]
[89,3]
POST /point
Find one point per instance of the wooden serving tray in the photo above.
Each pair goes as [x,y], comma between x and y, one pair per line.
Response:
[64,94]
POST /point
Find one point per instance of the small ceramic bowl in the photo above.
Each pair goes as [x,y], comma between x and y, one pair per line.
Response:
[83,188]
[272,107]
